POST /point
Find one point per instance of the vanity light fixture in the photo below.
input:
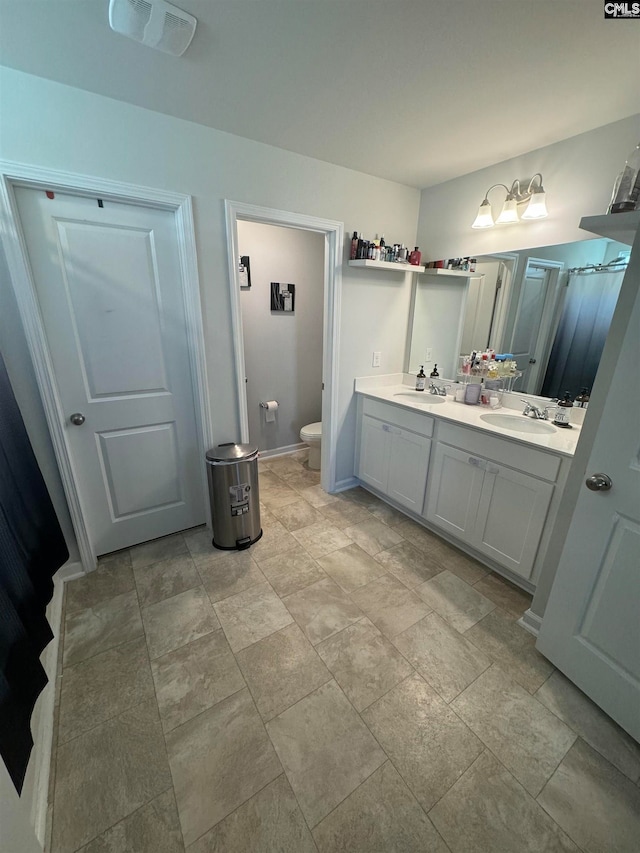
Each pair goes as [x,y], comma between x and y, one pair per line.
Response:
[534,195]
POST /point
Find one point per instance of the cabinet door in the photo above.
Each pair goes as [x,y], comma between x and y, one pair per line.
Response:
[454,490]
[374,453]
[513,509]
[408,466]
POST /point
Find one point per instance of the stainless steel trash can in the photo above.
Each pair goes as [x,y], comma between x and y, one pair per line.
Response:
[232,473]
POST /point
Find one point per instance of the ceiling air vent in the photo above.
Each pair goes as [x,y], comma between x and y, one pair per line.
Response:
[154,23]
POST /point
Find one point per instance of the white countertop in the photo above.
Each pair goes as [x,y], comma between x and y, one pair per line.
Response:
[561,441]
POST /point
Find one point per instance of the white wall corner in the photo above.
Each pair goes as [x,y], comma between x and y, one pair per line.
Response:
[531,622]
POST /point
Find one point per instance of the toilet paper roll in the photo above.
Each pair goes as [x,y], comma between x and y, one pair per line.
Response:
[271,407]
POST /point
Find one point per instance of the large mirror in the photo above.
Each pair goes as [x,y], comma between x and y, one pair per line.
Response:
[550,306]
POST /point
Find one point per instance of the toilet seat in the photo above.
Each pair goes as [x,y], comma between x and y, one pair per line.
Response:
[311,432]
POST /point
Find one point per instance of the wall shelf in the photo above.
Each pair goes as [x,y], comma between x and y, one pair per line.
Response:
[621,227]
[387,265]
[440,271]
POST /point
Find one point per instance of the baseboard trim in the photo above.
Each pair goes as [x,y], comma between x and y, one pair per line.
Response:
[531,622]
[281,451]
[343,485]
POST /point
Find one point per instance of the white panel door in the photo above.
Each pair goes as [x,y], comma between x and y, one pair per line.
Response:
[108,283]
[591,626]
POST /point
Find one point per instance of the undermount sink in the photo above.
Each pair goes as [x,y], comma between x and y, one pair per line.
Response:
[421,397]
[518,423]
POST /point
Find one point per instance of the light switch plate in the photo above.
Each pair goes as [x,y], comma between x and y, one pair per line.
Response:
[375,362]
[429,356]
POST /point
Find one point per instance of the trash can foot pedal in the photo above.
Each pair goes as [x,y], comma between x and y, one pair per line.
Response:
[241,544]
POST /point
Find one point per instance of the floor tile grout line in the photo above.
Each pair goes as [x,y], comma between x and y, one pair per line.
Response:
[357,788]
[126,817]
[244,802]
[397,769]
[530,795]
[428,811]
[103,651]
[203,711]
[448,703]
[542,806]
[579,735]
[164,740]
[469,726]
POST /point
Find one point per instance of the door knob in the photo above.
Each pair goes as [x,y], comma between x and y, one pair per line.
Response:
[77,418]
[599,482]
[532,361]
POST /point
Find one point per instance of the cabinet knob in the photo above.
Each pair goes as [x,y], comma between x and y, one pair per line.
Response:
[478,463]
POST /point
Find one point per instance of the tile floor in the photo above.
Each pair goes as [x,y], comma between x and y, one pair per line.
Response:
[350,683]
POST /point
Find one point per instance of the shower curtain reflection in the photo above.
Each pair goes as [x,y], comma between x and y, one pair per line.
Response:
[589,305]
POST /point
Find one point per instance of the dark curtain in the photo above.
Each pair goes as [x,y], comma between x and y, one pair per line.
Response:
[584,326]
[32,549]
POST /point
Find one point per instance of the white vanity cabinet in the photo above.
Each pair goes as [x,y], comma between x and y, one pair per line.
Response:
[393,455]
[492,494]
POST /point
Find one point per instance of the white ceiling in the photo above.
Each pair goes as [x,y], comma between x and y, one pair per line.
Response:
[416,91]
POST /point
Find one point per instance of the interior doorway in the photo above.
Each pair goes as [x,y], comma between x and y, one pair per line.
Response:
[282,299]
[332,234]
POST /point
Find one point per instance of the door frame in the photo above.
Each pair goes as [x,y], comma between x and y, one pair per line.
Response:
[333,232]
[14,174]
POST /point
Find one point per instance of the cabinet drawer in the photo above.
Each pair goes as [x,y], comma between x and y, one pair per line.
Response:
[415,421]
[502,450]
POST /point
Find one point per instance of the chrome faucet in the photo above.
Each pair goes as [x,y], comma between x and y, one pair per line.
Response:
[533,411]
[440,391]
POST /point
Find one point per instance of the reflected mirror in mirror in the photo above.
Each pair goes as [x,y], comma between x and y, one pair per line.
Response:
[550,306]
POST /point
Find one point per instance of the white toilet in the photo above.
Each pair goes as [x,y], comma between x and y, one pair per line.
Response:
[311,434]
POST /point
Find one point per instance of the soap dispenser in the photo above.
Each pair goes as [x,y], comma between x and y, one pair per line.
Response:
[563,412]
[434,373]
[421,379]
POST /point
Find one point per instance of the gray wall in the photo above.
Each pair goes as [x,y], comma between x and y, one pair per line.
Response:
[283,351]
[13,346]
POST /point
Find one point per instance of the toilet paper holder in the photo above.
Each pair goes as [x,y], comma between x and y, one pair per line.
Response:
[266,405]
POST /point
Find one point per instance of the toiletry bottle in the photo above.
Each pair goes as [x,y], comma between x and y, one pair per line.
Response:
[421,379]
[582,400]
[434,373]
[563,411]
[415,257]
[628,193]
[354,246]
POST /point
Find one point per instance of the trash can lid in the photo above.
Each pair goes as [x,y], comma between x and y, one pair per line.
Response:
[230,452]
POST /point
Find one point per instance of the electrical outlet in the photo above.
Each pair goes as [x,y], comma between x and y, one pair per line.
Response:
[429,356]
[375,362]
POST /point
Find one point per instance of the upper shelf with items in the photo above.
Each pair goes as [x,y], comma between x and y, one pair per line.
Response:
[387,265]
[404,268]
